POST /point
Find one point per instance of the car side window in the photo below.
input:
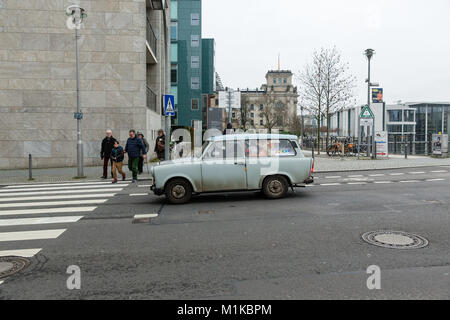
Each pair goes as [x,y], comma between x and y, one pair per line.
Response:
[216,151]
[281,148]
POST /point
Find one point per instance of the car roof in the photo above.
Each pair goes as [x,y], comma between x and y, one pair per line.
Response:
[253,136]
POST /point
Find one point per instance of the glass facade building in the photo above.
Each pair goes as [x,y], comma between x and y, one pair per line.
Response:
[186,52]
[431,118]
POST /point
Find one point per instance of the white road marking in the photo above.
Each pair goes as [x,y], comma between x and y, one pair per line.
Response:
[377,175]
[99,188]
[138,194]
[59,192]
[13,186]
[145,216]
[355,183]
[97,195]
[31,235]
[409,181]
[396,174]
[435,179]
[439,171]
[1,282]
[333,177]
[33,221]
[51,203]
[356,176]
[26,253]
[144,186]
[383,182]
[417,172]
[52,210]
[330,184]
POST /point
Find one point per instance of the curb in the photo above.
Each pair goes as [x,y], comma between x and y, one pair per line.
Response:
[379,169]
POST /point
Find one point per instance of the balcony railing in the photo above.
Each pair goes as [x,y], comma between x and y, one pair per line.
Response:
[151,99]
[151,37]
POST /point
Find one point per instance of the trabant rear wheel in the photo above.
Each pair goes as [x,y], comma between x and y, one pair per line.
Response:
[178,191]
[275,187]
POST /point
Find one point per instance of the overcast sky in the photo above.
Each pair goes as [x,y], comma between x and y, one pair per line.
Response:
[411,39]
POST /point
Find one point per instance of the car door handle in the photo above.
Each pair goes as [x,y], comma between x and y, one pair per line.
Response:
[239,163]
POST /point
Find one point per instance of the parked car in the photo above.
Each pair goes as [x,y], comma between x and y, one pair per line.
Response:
[240,162]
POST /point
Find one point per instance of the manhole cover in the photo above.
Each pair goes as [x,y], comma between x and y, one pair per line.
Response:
[12,265]
[395,239]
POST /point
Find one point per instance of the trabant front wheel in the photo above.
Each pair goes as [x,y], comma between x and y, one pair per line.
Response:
[275,187]
[178,191]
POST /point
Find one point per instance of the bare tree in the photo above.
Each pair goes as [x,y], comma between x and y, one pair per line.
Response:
[338,84]
[326,87]
[244,113]
[312,91]
[273,113]
[295,125]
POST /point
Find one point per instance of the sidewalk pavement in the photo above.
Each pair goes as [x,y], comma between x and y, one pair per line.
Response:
[322,163]
[62,175]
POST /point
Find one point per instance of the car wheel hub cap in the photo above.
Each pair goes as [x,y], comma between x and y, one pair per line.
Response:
[178,192]
[275,187]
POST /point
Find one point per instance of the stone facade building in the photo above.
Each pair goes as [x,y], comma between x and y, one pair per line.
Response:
[275,102]
[123,71]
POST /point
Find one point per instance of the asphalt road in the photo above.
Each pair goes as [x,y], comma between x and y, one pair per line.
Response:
[232,246]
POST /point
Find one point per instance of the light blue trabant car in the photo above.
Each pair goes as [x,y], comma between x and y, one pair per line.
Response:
[236,162]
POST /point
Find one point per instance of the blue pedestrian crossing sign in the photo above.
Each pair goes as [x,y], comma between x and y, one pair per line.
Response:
[169,105]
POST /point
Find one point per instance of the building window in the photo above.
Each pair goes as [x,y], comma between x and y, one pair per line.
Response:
[174,31]
[395,128]
[195,62]
[409,116]
[279,80]
[194,104]
[252,122]
[274,80]
[252,115]
[233,114]
[195,19]
[174,74]
[261,122]
[395,115]
[252,107]
[195,83]
[284,80]
[195,40]
[261,107]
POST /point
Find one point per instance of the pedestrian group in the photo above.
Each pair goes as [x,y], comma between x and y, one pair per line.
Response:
[136,147]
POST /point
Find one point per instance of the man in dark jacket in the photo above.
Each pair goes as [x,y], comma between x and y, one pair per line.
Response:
[134,147]
[160,145]
[147,147]
[105,153]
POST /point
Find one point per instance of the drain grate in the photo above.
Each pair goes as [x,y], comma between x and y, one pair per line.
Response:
[395,239]
[12,265]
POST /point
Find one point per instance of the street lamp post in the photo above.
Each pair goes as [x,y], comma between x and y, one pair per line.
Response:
[76,16]
[369,54]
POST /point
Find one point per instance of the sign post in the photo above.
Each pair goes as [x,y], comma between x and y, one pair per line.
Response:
[169,111]
[367,119]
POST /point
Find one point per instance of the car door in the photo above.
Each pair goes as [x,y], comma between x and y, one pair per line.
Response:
[223,167]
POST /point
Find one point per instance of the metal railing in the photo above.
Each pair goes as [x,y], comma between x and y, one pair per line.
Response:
[151,99]
[151,37]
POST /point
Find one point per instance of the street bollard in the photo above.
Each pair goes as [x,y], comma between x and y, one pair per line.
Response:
[30,167]
[406,150]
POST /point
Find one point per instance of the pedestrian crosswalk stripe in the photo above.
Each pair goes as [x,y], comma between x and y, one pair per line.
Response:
[58,192]
[51,203]
[48,210]
[33,221]
[99,188]
[30,235]
[62,184]
[26,253]
[97,195]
